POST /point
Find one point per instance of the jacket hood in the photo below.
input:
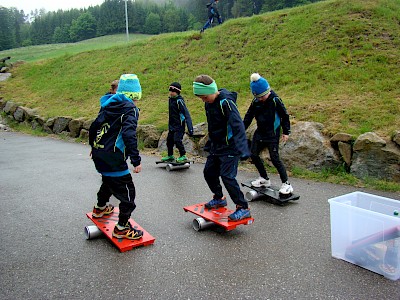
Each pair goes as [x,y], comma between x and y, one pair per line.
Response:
[225,94]
[106,100]
[116,104]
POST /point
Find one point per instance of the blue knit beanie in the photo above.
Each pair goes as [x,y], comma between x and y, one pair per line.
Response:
[129,85]
[259,85]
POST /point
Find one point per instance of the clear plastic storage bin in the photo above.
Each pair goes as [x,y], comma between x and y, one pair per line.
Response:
[365,230]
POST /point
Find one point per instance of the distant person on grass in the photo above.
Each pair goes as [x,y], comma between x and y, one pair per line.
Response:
[178,116]
[271,115]
[212,13]
[113,139]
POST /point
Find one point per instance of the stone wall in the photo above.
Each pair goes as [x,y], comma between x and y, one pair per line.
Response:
[367,155]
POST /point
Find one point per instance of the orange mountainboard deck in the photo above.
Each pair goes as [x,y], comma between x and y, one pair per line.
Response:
[217,215]
[106,225]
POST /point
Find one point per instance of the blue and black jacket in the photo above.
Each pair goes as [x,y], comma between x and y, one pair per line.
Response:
[226,131]
[270,115]
[179,115]
[112,135]
[212,10]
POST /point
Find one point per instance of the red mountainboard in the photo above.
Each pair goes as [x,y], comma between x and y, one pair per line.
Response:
[107,223]
[218,216]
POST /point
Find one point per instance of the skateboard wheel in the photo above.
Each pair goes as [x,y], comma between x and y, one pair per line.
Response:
[171,167]
[252,195]
[200,224]
[92,232]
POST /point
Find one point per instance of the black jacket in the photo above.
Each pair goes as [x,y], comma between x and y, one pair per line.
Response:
[113,135]
[226,131]
[178,115]
[270,115]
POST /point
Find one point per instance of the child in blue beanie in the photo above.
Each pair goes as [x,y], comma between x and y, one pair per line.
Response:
[271,115]
[227,144]
[178,116]
[112,136]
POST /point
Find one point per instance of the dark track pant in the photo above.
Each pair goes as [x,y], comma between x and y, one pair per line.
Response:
[175,138]
[124,190]
[273,148]
[226,167]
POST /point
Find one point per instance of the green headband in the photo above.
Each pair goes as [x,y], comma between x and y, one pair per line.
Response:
[202,89]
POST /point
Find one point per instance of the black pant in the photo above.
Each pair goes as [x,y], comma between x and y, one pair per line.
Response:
[225,167]
[124,190]
[175,138]
[273,148]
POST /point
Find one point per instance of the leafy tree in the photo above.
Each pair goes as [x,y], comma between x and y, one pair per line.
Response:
[152,24]
[175,20]
[83,28]
[7,37]
[62,34]
[242,8]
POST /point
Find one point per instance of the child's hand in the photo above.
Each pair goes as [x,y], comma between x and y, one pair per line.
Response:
[284,137]
[137,169]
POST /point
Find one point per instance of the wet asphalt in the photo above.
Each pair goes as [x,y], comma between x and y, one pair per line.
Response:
[47,186]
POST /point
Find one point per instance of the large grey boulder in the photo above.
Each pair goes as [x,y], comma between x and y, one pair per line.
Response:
[396,138]
[190,146]
[24,113]
[200,130]
[61,124]
[75,127]
[48,125]
[149,135]
[87,124]
[376,158]
[10,108]
[2,104]
[162,142]
[308,148]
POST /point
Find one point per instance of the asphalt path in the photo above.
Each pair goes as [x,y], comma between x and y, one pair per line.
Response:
[47,185]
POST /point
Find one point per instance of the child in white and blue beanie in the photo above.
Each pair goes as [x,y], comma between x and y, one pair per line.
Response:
[259,85]
[129,85]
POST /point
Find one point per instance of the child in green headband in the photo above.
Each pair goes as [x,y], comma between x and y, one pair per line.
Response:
[227,144]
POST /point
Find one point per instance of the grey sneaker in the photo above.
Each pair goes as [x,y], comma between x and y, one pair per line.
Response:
[260,181]
[286,188]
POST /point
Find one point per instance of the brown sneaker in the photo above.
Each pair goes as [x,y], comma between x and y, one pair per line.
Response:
[98,213]
[128,232]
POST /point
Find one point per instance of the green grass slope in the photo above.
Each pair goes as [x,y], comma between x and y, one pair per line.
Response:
[336,62]
[40,52]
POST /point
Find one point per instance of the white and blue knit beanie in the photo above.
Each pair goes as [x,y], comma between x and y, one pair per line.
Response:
[129,85]
[259,85]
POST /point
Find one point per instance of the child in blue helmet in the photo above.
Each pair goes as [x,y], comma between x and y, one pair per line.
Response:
[112,137]
[227,144]
[271,115]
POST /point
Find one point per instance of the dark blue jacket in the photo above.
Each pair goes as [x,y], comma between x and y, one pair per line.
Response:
[226,131]
[270,115]
[178,115]
[112,135]
[212,10]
